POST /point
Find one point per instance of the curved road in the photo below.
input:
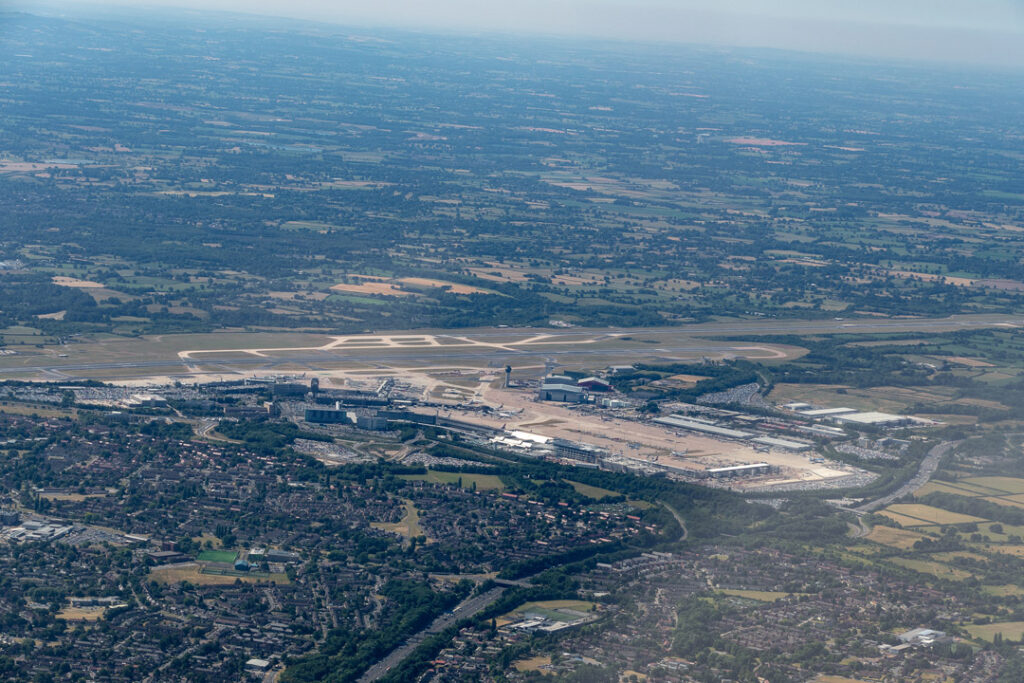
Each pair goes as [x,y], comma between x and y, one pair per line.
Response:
[924,473]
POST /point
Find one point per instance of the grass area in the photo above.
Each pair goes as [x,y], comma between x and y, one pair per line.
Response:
[32,409]
[532,664]
[1007,501]
[936,569]
[1009,590]
[193,574]
[81,613]
[1000,485]
[760,596]
[225,556]
[946,487]
[594,492]
[1015,550]
[822,678]
[548,608]
[407,527]
[72,497]
[484,482]
[900,539]
[926,514]
[1011,630]
[902,520]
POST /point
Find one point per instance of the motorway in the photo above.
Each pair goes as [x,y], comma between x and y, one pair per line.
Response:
[466,609]
[924,473]
[462,348]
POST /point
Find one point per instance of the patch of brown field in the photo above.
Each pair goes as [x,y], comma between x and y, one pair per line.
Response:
[59,315]
[103,293]
[576,280]
[453,287]
[192,573]
[290,296]
[571,186]
[355,183]
[981,402]
[688,378]
[932,277]
[81,613]
[901,539]
[533,664]
[677,284]
[893,342]
[846,149]
[494,275]
[74,282]
[1010,285]
[28,166]
[379,278]
[762,142]
[385,288]
[804,262]
[73,497]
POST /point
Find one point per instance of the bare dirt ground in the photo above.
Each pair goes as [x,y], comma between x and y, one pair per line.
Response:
[75,282]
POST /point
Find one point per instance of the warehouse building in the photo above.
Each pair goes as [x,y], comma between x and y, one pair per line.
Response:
[738,471]
[562,389]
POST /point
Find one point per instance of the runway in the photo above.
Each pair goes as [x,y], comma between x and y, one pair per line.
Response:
[193,355]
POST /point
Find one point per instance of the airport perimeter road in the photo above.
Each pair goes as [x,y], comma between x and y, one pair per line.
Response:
[924,473]
[467,608]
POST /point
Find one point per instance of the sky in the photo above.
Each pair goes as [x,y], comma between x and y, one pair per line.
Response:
[979,31]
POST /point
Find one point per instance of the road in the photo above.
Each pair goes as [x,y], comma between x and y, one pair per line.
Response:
[924,473]
[679,519]
[467,608]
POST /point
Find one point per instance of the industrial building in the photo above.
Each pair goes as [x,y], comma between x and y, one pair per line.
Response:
[327,416]
[562,389]
[705,427]
[594,384]
[577,451]
[738,471]
[785,444]
[874,419]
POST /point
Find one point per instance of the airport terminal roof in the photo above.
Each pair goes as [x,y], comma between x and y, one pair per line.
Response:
[693,425]
[872,418]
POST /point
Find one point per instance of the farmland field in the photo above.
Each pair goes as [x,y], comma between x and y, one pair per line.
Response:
[925,514]
[936,569]
[901,539]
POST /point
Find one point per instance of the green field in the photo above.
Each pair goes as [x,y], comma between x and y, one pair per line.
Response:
[595,492]
[484,482]
[224,556]
[936,569]
[1011,630]
[926,514]
[998,485]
